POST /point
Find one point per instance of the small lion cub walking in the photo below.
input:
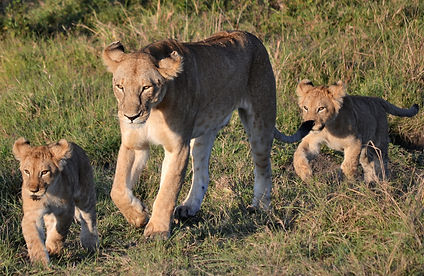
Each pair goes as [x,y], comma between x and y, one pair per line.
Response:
[356,125]
[57,186]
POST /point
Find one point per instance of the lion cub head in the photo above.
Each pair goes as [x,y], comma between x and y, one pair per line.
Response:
[139,80]
[320,104]
[40,165]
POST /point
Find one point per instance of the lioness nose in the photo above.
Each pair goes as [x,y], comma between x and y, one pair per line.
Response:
[132,118]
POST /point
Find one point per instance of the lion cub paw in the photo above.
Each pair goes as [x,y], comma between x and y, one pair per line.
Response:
[39,256]
[54,248]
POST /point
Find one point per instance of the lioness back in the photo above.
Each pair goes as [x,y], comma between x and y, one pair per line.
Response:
[57,185]
[356,125]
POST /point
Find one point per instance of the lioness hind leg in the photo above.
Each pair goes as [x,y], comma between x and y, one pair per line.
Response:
[260,134]
[201,148]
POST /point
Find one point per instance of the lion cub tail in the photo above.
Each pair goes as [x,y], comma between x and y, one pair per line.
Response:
[401,112]
[303,130]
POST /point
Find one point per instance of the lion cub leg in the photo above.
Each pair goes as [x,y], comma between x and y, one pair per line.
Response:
[307,150]
[33,231]
[87,219]
[57,228]
[201,148]
[367,166]
[54,241]
[128,169]
[350,163]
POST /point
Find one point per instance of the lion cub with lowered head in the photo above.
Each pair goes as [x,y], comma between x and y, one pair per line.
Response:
[346,123]
[57,185]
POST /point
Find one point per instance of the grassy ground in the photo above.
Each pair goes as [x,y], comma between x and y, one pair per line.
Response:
[55,86]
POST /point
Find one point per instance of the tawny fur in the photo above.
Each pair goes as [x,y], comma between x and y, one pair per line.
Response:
[179,95]
[356,125]
[57,186]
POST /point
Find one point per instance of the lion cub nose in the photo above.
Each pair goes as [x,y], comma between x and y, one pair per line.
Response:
[34,189]
[132,118]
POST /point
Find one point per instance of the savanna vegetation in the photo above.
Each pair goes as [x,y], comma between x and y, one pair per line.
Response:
[54,85]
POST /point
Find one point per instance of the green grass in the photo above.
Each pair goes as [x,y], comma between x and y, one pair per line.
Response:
[54,86]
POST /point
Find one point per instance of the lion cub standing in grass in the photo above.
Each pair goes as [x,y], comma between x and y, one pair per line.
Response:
[356,125]
[57,185]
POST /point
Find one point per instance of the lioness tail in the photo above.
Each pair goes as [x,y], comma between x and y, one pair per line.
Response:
[401,112]
[303,130]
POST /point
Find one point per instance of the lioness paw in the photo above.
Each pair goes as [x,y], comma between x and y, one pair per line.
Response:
[136,217]
[184,212]
[157,231]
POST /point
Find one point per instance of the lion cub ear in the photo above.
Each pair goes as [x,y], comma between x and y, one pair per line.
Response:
[303,87]
[338,90]
[60,152]
[171,66]
[113,54]
[20,148]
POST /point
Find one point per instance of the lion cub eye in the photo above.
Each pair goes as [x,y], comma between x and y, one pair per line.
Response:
[43,173]
[26,172]
[120,87]
[145,87]
[321,108]
[305,108]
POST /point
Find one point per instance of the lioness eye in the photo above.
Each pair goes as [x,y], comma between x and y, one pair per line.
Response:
[120,87]
[26,172]
[305,108]
[321,109]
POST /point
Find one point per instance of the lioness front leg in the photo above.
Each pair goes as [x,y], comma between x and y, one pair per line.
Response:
[305,151]
[32,229]
[128,168]
[173,171]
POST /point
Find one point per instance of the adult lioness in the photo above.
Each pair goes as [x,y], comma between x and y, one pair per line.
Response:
[346,123]
[57,186]
[179,95]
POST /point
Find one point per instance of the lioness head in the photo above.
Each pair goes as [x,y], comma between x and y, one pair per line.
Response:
[139,80]
[320,103]
[40,165]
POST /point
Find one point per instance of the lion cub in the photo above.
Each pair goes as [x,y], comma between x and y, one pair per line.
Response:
[57,186]
[356,125]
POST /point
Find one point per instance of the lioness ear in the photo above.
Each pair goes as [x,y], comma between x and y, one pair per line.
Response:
[303,87]
[169,67]
[20,148]
[113,54]
[60,151]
